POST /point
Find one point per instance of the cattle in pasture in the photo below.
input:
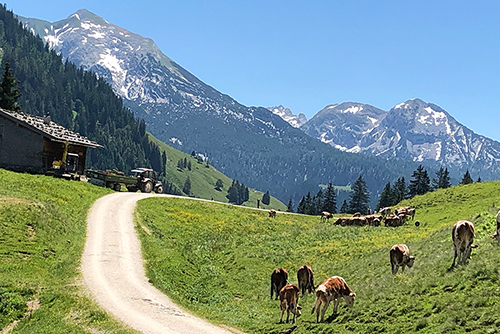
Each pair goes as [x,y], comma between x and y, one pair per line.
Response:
[357,214]
[289,302]
[279,279]
[385,211]
[410,213]
[342,221]
[272,213]
[305,277]
[392,221]
[325,215]
[333,288]
[373,220]
[400,257]
[497,232]
[462,235]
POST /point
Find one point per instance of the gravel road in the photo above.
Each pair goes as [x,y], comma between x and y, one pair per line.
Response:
[114,272]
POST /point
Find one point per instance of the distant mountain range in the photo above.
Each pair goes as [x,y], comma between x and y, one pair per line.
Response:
[253,144]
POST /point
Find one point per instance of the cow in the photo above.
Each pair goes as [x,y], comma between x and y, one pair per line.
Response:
[279,279]
[342,221]
[373,220]
[357,214]
[392,221]
[325,215]
[305,277]
[272,213]
[385,211]
[462,235]
[289,298]
[497,232]
[411,213]
[400,257]
[332,289]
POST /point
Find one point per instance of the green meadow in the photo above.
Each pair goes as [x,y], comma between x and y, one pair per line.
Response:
[42,235]
[215,260]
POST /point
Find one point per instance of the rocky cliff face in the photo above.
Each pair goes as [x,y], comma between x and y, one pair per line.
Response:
[294,120]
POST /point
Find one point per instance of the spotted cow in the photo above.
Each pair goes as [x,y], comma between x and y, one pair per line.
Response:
[333,288]
[289,299]
[400,257]
[462,235]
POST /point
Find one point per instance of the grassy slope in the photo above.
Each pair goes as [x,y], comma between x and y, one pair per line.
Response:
[42,235]
[216,260]
[203,179]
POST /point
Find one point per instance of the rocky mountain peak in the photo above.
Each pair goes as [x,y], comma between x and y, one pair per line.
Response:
[288,116]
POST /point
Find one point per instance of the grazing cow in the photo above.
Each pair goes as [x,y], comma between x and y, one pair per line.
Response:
[497,232]
[332,289]
[392,221]
[272,213]
[357,214]
[400,257]
[410,213]
[289,298]
[279,279]
[373,220]
[462,235]
[342,221]
[325,215]
[385,211]
[305,277]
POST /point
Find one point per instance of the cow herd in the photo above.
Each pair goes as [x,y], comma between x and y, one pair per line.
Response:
[334,288]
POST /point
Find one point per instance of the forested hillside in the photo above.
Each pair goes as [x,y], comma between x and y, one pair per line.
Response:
[76,99]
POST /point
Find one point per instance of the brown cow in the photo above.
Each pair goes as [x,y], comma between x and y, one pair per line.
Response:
[385,211]
[400,257]
[497,232]
[411,213]
[341,221]
[325,215]
[279,279]
[305,277]
[392,221]
[272,213]
[462,235]
[357,214]
[289,299]
[332,289]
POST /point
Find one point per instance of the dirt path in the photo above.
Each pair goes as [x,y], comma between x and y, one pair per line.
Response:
[113,270]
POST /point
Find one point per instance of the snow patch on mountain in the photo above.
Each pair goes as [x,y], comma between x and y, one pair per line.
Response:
[286,114]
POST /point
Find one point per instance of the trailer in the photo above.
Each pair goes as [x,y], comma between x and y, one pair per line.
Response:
[143,179]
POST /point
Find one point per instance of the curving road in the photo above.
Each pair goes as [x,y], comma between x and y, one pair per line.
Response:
[113,270]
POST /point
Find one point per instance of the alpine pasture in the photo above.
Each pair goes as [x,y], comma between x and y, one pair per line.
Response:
[216,261]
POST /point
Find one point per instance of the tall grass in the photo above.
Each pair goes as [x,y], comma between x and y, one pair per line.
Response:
[216,260]
[42,234]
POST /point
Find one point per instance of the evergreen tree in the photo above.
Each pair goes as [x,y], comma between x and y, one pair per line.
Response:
[309,206]
[359,197]
[330,199]
[189,165]
[399,190]
[9,90]
[301,208]
[467,179]
[289,207]
[442,179]
[420,184]
[317,203]
[266,198]
[193,153]
[187,186]
[218,184]
[345,207]
[386,197]
[232,193]
[478,180]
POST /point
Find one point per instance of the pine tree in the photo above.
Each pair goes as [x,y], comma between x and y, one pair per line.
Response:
[309,206]
[399,190]
[345,207]
[232,193]
[478,180]
[442,179]
[330,199]
[289,207]
[189,165]
[9,90]
[218,184]
[420,184]
[386,197]
[187,186]
[301,208]
[359,197]
[266,198]
[467,179]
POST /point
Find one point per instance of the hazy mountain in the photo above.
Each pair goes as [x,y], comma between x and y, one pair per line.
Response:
[287,115]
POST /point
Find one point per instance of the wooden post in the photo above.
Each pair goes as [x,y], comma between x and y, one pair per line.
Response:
[258,204]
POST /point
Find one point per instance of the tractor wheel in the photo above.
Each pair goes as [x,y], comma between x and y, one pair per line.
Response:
[132,189]
[117,187]
[147,187]
[159,190]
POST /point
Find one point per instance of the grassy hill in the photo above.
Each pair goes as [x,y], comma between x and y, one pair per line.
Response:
[203,179]
[216,261]
[42,234]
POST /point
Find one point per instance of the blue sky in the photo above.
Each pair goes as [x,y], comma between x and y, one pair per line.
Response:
[308,54]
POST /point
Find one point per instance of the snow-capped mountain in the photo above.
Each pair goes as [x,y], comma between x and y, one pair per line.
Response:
[344,125]
[412,130]
[294,120]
